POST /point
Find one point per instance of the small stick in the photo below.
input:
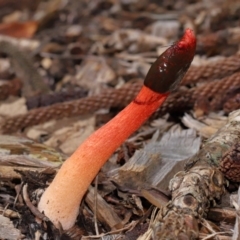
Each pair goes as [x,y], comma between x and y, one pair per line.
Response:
[32,208]
[95,205]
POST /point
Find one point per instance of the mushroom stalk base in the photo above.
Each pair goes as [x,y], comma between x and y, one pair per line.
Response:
[60,202]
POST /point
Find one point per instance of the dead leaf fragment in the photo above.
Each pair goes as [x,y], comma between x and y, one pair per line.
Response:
[94,73]
[13,107]
[65,134]
[206,125]
[18,29]
[19,151]
[158,161]
[7,230]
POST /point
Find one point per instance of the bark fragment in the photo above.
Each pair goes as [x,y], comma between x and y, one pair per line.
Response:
[200,185]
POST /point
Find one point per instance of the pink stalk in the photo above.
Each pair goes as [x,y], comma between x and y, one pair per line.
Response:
[60,202]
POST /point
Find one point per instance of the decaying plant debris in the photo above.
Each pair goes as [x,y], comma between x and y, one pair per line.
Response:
[202,182]
[88,59]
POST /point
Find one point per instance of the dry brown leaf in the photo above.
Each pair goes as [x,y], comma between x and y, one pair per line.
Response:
[18,29]
[104,212]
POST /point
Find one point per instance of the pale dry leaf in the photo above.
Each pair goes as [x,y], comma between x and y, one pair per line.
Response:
[9,213]
[13,17]
[158,161]
[73,31]
[94,73]
[24,44]
[13,107]
[71,134]
[35,132]
[134,63]
[23,152]
[206,126]
[166,29]
[47,8]
[7,229]
[4,65]
[179,144]
[138,203]
[203,60]
[201,128]
[46,63]
[192,123]
[215,120]
[162,124]
[9,172]
[49,127]
[130,40]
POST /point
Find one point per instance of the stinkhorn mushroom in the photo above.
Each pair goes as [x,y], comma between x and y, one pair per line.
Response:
[60,202]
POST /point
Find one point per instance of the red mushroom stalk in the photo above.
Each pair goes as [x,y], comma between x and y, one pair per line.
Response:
[60,202]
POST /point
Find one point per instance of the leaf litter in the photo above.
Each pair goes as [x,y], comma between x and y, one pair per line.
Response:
[110,44]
